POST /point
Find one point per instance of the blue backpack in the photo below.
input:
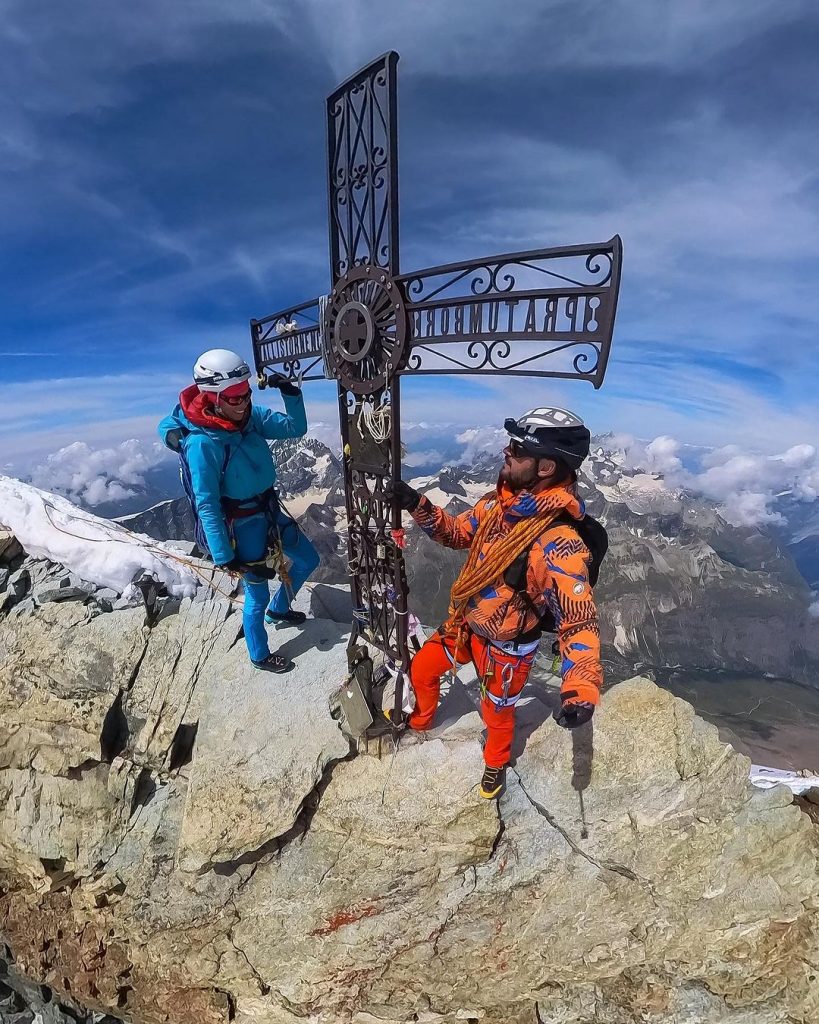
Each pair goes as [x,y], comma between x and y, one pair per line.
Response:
[187,487]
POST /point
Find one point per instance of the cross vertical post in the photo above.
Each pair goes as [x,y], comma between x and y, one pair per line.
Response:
[546,312]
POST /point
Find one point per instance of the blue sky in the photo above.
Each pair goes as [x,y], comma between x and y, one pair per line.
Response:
[163,173]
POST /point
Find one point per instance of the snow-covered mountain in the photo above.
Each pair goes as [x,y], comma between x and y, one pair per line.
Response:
[682,590]
[305,464]
[167,520]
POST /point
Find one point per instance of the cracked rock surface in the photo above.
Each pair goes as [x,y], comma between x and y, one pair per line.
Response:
[186,840]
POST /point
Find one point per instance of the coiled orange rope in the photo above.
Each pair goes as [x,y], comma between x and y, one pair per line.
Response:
[478,573]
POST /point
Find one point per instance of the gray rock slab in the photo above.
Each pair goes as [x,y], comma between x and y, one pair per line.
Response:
[41,569]
[20,576]
[17,586]
[263,743]
[10,547]
[64,589]
[55,691]
[175,676]
[381,886]
[54,820]
[331,602]
[24,607]
[106,598]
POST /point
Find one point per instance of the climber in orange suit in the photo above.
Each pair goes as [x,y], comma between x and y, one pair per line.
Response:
[527,565]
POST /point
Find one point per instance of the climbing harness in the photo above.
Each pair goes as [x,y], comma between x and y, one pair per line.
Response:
[507,674]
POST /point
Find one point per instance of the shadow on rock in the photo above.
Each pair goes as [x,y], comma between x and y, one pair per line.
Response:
[582,757]
[536,706]
[315,635]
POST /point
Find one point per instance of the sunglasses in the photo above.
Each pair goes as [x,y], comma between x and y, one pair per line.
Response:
[236,400]
[517,451]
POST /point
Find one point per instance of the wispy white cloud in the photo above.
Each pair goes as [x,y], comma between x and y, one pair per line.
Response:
[91,476]
[25,355]
[105,412]
[422,458]
[44,404]
[480,440]
[746,486]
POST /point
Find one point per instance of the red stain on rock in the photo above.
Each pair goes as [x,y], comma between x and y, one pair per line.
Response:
[342,917]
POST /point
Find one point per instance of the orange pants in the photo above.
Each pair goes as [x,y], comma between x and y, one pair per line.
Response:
[494,669]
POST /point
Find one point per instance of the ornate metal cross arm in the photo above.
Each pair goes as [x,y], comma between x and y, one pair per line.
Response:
[291,339]
[547,312]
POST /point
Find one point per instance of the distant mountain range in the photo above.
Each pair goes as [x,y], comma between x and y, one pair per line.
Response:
[799,531]
[681,589]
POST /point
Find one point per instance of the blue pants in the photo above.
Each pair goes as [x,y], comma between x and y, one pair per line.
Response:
[250,536]
[304,560]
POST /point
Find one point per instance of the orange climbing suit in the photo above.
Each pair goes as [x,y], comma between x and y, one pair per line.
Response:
[497,616]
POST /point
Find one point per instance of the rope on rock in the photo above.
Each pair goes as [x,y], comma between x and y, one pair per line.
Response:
[129,537]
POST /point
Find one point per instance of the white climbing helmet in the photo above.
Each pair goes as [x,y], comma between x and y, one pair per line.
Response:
[219,369]
[548,433]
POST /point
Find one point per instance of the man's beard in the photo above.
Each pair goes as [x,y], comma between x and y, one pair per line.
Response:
[516,481]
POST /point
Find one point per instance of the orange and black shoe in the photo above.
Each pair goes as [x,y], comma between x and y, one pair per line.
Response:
[493,782]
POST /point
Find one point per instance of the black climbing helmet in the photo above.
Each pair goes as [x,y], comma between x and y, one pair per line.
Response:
[551,434]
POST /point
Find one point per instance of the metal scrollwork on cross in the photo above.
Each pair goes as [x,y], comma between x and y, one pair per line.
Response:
[546,312]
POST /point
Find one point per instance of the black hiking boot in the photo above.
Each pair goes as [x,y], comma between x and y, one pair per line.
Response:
[274,663]
[401,732]
[399,723]
[290,617]
[492,783]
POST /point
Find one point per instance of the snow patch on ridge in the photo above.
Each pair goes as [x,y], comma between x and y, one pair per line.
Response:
[97,550]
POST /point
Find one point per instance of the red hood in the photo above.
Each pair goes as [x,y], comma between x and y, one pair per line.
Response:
[199,408]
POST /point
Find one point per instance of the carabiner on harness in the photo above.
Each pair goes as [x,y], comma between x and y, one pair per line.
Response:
[507,675]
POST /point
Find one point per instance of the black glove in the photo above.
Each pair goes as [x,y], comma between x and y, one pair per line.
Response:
[402,494]
[234,565]
[574,713]
[284,384]
[264,572]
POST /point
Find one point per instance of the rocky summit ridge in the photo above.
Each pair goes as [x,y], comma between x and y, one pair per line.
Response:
[186,840]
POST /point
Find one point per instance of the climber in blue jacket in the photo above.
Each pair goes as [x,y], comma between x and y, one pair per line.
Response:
[222,441]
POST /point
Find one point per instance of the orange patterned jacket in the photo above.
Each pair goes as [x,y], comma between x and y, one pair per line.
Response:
[557,577]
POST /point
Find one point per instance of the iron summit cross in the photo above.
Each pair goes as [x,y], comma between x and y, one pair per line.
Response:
[547,312]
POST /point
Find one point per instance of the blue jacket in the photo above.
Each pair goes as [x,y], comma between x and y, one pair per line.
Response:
[250,467]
